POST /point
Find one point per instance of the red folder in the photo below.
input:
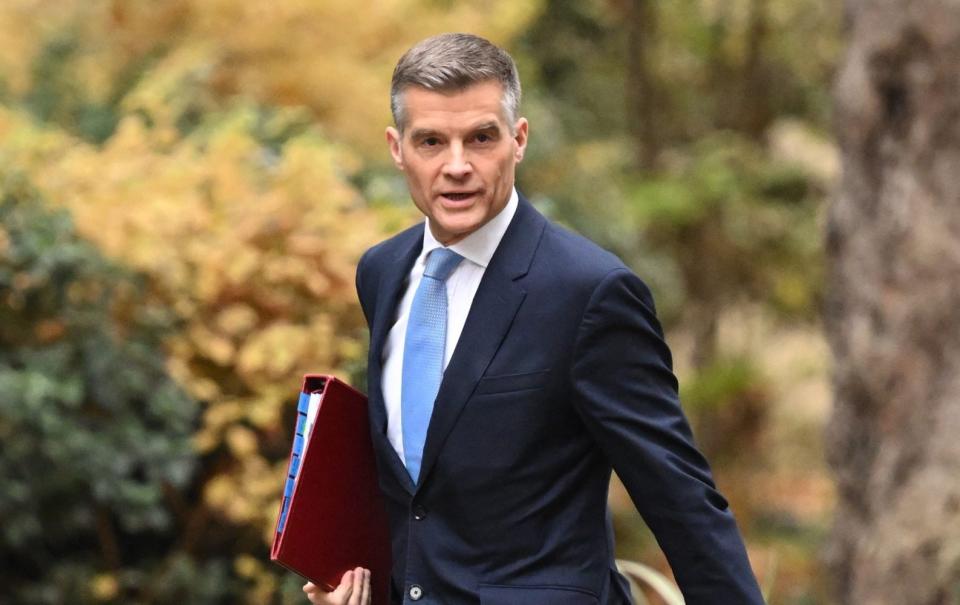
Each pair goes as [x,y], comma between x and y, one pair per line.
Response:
[335,517]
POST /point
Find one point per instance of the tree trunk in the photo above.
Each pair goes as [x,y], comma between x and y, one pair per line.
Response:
[642,106]
[755,112]
[893,309]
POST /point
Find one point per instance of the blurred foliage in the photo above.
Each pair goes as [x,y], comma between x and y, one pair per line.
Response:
[211,171]
[726,202]
[730,396]
[96,436]
[722,79]
[83,64]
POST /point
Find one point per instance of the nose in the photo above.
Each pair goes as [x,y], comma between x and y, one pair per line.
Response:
[458,165]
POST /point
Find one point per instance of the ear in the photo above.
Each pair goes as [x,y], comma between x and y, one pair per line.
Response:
[521,130]
[395,141]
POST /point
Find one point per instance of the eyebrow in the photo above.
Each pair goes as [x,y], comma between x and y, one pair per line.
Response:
[422,133]
[486,126]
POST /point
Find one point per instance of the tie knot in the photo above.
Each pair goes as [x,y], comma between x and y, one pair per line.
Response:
[441,262]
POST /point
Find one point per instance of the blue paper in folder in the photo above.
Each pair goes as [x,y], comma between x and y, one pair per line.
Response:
[306,416]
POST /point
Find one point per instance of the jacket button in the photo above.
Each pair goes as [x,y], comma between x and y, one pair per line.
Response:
[419,513]
[415,592]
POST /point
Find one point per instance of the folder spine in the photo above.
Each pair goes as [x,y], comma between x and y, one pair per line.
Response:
[298,440]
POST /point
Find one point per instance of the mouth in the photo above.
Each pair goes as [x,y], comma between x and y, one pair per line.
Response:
[459,196]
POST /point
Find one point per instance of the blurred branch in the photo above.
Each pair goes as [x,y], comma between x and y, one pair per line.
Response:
[755,108]
[641,86]
[107,536]
[663,587]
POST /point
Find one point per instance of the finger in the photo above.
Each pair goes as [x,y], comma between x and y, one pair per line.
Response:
[343,592]
[339,596]
[357,588]
[312,593]
[365,588]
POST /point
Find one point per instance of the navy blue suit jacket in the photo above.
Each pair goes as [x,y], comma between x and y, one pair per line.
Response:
[560,374]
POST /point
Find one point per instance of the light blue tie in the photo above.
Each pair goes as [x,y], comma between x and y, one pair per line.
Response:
[423,355]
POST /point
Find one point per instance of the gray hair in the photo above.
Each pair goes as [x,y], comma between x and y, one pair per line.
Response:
[452,62]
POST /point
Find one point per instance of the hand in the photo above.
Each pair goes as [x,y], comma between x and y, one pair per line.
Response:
[354,589]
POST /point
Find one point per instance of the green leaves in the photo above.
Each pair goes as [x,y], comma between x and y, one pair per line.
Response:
[93,429]
[740,225]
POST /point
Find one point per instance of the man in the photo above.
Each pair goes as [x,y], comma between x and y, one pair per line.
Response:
[512,365]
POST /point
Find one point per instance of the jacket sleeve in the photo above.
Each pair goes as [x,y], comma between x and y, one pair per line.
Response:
[626,392]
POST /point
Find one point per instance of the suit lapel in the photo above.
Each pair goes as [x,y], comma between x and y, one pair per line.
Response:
[389,291]
[492,312]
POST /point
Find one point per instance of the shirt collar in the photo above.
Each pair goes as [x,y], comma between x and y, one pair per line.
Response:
[479,246]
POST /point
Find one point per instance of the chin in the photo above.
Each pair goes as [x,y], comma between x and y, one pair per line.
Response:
[457,222]
[457,230]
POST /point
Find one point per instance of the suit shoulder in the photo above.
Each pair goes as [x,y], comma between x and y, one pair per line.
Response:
[578,258]
[390,247]
[584,271]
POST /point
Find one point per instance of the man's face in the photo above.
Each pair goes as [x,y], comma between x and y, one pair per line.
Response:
[459,156]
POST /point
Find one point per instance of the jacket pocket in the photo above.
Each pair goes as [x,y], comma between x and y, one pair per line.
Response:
[512,382]
[495,594]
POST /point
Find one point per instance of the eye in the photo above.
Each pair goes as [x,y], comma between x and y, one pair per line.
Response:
[430,142]
[483,138]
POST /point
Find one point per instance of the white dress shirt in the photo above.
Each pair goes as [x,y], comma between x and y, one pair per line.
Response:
[476,249]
